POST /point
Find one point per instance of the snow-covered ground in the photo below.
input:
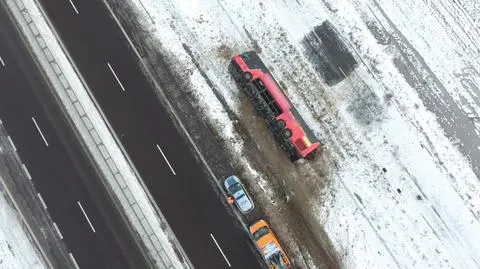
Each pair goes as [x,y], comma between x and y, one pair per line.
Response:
[402,191]
[16,248]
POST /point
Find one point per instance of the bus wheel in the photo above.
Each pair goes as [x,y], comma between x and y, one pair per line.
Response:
[294,157]
[247,76]
[311,156]
[287,133]
[280,124]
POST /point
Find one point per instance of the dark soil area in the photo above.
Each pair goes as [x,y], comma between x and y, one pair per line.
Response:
[328,53]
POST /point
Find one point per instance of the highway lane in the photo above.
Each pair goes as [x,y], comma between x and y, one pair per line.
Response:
[65,181]
[173,176]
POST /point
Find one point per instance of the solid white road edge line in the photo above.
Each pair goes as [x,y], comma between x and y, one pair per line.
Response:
[42,201]
[74,7]
[73,260]
[166,160]
[221,251]
[57,230]
[85,214]
[1,61]
[24,167]
[115,75]
[11,143]
[40,131]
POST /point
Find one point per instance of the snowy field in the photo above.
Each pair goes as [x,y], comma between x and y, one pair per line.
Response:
[400,134]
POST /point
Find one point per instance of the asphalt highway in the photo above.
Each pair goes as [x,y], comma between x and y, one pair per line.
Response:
[66,183]
[208,233]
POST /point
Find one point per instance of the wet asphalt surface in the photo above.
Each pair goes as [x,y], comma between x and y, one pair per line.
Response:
[183,191]
[60,172]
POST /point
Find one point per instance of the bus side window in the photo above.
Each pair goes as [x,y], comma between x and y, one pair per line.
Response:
[272,103]
[237,67]
[260,83]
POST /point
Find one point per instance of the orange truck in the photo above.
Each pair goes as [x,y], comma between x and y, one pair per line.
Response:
[269,246]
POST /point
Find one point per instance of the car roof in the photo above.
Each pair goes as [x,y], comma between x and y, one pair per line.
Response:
[231,180]
[245,203]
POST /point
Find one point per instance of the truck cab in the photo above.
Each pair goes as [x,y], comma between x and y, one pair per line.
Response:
[269,247]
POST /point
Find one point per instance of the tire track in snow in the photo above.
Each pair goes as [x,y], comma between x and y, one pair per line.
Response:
[436,93]
[434,100]
[462,19]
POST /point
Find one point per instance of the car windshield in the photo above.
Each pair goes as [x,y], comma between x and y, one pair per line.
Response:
[235,187]
[240,196]
[260,232]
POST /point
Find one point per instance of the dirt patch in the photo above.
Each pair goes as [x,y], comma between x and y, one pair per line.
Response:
[365,106]
[224,52]
[328,53]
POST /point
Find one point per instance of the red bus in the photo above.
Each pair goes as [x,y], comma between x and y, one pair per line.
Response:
[282,118]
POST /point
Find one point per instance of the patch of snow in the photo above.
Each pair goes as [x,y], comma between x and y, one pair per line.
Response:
[17,251]
[472,7]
